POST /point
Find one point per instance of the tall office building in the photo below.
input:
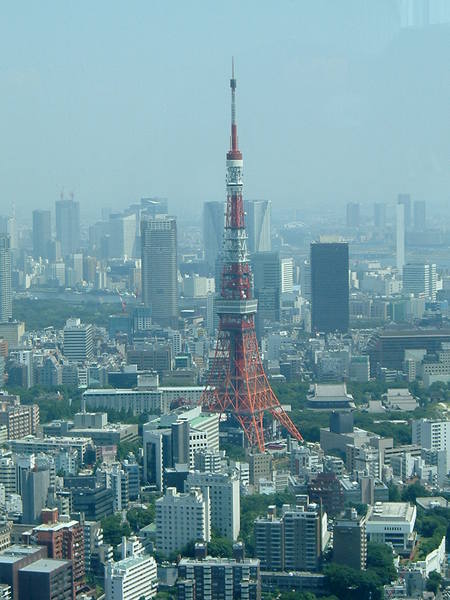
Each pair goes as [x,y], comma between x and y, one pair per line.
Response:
[420,218]
[122,230]
[78,340]
[257,222]
[292,542]
[349,541]
[132,578]
[64,541]
[42,233]
[266,269]
[329,287]
[379,215]
[159,268]
[5,278]
[432,435]
[287,275]
[420,279]
[213,221]
[405,201]
[400,236]
[181,519]
[8,227]
[269,541]
[353,214]
[224,501]
[34,489]
[68,225]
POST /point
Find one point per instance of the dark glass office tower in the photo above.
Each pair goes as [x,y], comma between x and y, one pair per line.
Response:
[159,268]
[329,287]
[42,233]
[68,225]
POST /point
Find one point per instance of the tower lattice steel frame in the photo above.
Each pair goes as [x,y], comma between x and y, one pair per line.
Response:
[237,383]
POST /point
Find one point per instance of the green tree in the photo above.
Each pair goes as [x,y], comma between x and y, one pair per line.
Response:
[381,561]
[220,546]
[434,582]
[140,517]
[349,584]
[413,491]
[114,529]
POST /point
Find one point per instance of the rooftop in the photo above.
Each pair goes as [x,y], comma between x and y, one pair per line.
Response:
[55,526]
[16,552]
[45,565]
[392,511]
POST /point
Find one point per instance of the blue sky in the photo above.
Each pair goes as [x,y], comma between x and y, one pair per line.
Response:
[118,100]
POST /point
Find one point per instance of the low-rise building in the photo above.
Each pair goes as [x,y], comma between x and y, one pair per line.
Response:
[392,523]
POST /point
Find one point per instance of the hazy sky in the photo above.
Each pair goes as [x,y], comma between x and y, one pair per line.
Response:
[118,100]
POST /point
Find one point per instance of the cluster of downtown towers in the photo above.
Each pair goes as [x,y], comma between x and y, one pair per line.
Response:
[326,273]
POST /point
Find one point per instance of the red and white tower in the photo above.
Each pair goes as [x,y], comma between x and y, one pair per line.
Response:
[237,383]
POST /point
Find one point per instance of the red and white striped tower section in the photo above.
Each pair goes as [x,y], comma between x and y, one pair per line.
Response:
[237,383]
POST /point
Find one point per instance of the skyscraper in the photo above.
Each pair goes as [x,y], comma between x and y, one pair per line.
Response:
[353,215]
[159,268]
[400,236]
[266,268]
[42,233]
[122,230]
[213,220]
[329,287]
[420,215]
[287,275]
[8,227]
[5,278]
[420,279]
[78,340]
[68,225]
[258,225]
[379,215]
[405,200]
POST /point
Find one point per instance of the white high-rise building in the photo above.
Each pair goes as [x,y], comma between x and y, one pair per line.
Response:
[432,435]
[181,519]
[287,275]
[122,229]
[258,225]
[78,340]
[420,279]
[5,278]
[223,499]
[132,578]
[400,236]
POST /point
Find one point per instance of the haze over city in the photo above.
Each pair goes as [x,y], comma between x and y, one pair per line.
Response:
[339,102]
[225,300]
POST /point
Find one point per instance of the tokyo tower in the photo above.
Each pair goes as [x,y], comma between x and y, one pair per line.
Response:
[237,384]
